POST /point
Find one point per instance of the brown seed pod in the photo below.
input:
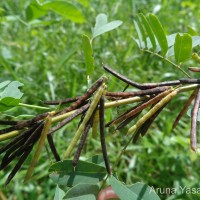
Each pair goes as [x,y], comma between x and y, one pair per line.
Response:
[138,85]
[88,94]
[144,128]
[19,164]
[18,138]
[184,109]
[193,132]
[102,134]
[61,102]
[53,147]
[194,69]
[142,106]
[69,119]
[137,93]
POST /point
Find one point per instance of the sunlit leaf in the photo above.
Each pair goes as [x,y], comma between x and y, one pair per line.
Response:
[82,192]
[97,159]
[102,26]
[59,194]
[182,47]
[140,43]
[34,11]
[4,84]
[85,3]
[159,33]
[144,191]
[88,54]
[12,90]
[66,9]
[137,191]
[148,30]
[63,173]
[191,31]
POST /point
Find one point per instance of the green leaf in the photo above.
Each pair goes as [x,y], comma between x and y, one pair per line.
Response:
[182,47]
[102,26]
[87,49]
[144,191]
[121,190]
[148,30]
[142,30]
[140,43]
[4,84]
[59,194]
[34,11]
[97,159]
[66,9]
[191,31]
[138,191]
[63,173]
[8,103]
[159,33]
[12,90]
[82,192]
[85,3]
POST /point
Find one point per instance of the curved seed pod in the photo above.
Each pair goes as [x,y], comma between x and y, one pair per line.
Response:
[194,69]
[61,102]
[189,81]
[39,147]
[7,122]
[153,110]
[69,119]
[34,136]
[88,94]
[22,124]
[193,132]
[143,106]
[113,121]
[138,93]
[81,128]
[11,154]
[184,109]
[102,134]
[137,85]
[53,147]
[18,138]
[145,126]
[83,139]
[127,121]
[19,164]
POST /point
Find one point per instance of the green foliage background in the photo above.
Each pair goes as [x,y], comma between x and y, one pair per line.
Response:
[47,58]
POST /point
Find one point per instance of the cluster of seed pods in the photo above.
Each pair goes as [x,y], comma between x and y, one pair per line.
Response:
[91,107]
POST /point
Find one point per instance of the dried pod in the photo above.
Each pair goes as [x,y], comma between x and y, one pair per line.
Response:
[60,102]
[102,134]
[88,94]
[193,132]
[184,109]
[53,147]
[19,164]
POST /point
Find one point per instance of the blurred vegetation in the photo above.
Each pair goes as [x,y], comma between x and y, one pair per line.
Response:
[47,57]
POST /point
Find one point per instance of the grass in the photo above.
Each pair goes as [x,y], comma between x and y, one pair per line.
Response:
[49,61]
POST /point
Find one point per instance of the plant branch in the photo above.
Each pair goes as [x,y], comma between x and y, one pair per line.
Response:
[169,61]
